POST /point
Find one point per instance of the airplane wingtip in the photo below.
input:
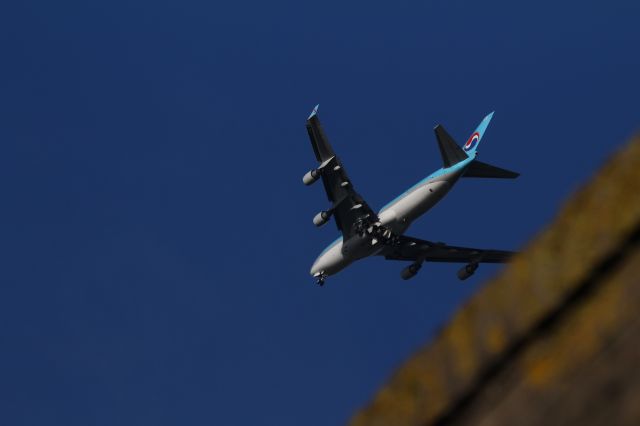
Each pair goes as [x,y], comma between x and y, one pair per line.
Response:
[314,112]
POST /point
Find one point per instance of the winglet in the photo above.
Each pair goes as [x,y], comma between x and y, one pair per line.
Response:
[319,142]
[314,112]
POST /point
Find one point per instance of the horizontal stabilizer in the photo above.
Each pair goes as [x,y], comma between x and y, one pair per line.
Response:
[449,149]
[479,169]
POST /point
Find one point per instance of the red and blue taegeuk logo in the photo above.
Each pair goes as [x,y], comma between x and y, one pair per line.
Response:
[472,142]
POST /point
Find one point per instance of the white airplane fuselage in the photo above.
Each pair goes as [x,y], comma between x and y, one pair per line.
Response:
[396,216]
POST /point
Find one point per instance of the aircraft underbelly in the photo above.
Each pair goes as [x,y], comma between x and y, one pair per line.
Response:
[399,216]
[342,254]
[331,261]
[396,217]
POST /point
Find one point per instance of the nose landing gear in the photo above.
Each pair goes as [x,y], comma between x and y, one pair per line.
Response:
[320,278]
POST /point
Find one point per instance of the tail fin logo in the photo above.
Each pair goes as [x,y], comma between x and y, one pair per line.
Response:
[472,142]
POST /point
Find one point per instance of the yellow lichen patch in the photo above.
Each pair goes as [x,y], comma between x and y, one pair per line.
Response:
[496,339]
[461,350]
[540,371]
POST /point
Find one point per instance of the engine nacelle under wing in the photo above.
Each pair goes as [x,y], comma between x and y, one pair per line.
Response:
[311,177]
[467,271]
[321,218]
[410,271]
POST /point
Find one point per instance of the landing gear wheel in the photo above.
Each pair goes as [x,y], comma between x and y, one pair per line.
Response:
[321,280]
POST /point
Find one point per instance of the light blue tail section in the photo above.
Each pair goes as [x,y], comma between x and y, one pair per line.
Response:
[474,140]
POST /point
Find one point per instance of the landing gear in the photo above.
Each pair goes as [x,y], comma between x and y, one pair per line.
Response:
[321,277]
[377,232]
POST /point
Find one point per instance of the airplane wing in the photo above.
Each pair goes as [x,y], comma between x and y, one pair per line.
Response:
[414,249]
[351,211]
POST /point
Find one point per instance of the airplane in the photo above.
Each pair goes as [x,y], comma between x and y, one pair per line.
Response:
[365,233]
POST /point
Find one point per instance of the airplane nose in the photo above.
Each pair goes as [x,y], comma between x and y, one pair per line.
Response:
[329,262]
[316,267]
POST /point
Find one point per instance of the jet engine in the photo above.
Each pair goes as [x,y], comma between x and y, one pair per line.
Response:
[311,176]
[467,271]
[321,218]
[410,271]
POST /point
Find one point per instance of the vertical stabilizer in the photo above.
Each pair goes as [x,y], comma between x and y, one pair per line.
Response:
[472,143]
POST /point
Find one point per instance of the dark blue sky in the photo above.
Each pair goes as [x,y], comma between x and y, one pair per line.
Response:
[156,237]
